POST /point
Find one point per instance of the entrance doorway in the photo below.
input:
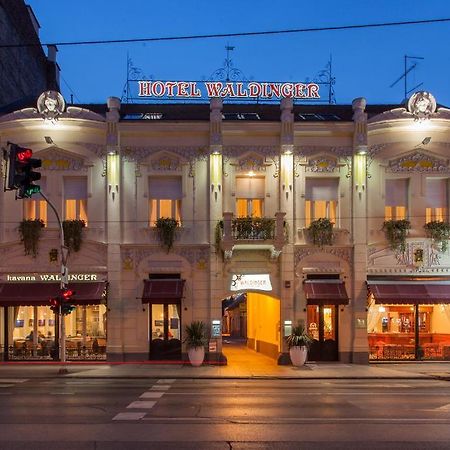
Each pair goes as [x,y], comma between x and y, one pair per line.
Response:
[165,331]
[323,328]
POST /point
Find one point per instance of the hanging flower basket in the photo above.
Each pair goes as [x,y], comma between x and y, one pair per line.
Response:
[166,227]
[439,232]
[321,232]
[30,232]
[395,232]
[73,236]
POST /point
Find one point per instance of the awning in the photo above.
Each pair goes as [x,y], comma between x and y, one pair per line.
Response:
[39,294]
[325,292]
[410,293]
[168,290]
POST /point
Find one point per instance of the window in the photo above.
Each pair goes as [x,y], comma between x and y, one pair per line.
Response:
[75,198]
[437,199]
[250,196]
[36,207]
[396,199]
[321,199]
[165,195]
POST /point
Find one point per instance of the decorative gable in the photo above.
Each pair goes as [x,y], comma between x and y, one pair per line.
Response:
[252,162]
[55,158]
[418,162]
[165,162]
[321,164]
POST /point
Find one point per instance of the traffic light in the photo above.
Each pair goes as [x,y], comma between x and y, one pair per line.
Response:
[66,308]
[20,172]
[54,305]
[66,295]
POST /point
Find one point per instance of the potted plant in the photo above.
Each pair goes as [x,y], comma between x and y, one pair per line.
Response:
[166,227]
[298,342]
[73,234]
[395,232]
[30,232]
[439,232]
[195,341]
[321,231]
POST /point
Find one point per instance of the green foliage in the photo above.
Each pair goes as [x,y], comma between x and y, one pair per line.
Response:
[195,334]
[253,228]
[218,232]
[30,232]
[166,227]
[73,236]
[321,231]
[299,337]
[395,232]
[439,232]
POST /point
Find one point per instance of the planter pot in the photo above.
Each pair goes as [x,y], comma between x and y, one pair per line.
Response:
[298,355]
[196,356]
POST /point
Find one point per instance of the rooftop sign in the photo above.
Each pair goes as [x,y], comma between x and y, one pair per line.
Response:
[242,90]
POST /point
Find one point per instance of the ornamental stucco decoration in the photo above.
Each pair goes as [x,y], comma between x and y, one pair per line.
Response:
[51,105]
[422,105]
[344,253]
[234,151]
[53,159]
[418,162]
[251,162]
[321,164]
[165,162]
[420,255]
[310,150]
[99,150]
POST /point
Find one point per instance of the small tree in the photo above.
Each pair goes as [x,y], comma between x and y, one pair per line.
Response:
[395,232]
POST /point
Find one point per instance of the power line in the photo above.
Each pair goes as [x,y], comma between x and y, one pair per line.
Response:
[227,35]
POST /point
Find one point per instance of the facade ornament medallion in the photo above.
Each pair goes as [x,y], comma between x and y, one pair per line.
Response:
[422,105]
[51,105]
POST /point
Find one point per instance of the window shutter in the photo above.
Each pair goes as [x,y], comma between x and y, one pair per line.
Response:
[396,193]
[436,192]
[324,189]
[250,187]
[165,188]
[75,188]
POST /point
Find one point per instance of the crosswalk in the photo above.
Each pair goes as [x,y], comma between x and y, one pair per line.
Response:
[138,409]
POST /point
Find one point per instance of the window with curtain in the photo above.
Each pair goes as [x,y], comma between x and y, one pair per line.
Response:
[250,192]
[436,199]
[165,194]
[36,207]
[75,198]
[321,199]
[396,199]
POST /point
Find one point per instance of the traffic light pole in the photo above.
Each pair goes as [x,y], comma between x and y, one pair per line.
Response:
[64,282]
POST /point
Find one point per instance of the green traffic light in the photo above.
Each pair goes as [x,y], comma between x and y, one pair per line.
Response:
[30,190]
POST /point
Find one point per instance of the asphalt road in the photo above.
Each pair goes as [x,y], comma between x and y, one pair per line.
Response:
[88,414]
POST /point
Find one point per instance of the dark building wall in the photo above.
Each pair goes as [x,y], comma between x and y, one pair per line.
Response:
[25,72]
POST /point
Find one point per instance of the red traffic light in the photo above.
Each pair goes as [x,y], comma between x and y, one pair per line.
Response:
[67,294]
[24,154]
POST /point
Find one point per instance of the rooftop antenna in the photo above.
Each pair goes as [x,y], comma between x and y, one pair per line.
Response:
[410,64]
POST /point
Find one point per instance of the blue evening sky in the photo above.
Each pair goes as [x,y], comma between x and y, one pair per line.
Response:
[365,62]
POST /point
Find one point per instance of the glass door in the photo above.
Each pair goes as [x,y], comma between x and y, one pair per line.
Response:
[322,326]
[165,331]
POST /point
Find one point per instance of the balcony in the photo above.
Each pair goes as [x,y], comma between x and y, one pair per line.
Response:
[251,233]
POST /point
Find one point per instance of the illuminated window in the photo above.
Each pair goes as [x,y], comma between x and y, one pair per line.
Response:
[396,199]
[165,195]
[437,199]
[321,199]
[36,207]
[250,193]
[75,198]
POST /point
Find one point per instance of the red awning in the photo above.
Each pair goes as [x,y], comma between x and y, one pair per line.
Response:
[163,290]
[325,292]
[39,294]
[402,293]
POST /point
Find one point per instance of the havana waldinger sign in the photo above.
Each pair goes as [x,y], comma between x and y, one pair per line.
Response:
[248,89]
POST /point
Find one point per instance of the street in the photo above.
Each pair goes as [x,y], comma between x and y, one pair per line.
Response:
[162,413]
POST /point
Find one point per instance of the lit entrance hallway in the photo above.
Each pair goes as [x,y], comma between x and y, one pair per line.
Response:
[243,359]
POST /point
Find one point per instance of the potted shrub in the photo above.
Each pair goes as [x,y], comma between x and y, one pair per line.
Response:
[321,231]
[439,232]
[166,227]
[73,236]
[395,232]
[30,232]
[298,342]
[195,341]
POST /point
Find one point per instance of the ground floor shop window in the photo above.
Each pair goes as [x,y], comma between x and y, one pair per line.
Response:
[401,332]
[33,332]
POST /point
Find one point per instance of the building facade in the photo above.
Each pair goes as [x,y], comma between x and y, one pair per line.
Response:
[253,188]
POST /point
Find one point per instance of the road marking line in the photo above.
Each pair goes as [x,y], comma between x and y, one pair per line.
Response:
[6,385]
[443,408]
[161,387]
[152,395]
[129,416]
[246,420]
[313,394]
[142,404]
[166,380]
[13,380]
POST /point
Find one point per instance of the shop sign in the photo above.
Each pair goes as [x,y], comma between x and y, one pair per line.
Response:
[252,282]
[48,277]
[242,90]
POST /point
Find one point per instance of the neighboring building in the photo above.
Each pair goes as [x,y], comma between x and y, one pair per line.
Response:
[244,181]
[25,71]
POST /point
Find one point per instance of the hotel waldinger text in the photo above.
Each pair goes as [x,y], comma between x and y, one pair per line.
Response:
[235,90]
[249,216]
